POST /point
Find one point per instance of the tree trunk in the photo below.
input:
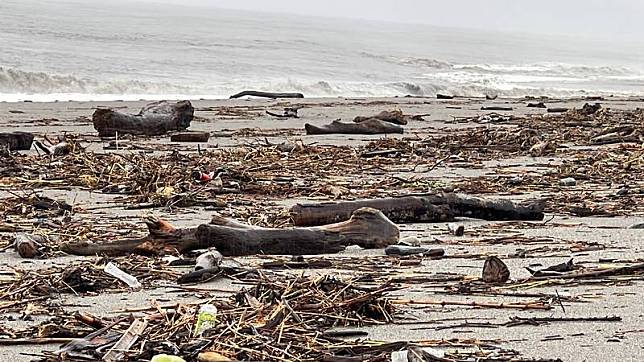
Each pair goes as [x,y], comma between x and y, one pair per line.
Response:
[430,208]
[154,119]
[16,141]
[369,126]
[366,227]
[396,117]
[266,94]
[399,210]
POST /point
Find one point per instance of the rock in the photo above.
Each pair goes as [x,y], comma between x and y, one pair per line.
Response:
[568,181]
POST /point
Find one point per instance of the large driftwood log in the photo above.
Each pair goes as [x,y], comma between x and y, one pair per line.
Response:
[395,116]
[366,227]
[266,94]
[369,126]
[428,208]
[16,141]
[154,119]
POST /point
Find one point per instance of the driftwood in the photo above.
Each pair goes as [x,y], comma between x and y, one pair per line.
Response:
[557,110]
[154,119]
[190,137]
[369,126]
[266,94]
[444,96]
[496,108]
[395,116]
[428,208]
[368,228]
[536,105]
[16,141]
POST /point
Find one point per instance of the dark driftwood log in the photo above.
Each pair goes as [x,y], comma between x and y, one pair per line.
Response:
[430,208]
[396,117]
[369,126]
[557,110]
[16,141]
[444,96]
[154,119]
[267,95]
[366,227]
[190,137]
[496,108]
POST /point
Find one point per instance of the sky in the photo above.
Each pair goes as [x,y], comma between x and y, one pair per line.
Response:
[605,19]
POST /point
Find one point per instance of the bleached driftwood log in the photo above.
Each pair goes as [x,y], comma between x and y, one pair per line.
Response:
[366,227]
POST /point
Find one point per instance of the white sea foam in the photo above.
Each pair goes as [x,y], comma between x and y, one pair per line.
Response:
[124,52]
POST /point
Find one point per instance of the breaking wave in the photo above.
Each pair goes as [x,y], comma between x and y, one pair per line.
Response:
[19,85]
[19,81]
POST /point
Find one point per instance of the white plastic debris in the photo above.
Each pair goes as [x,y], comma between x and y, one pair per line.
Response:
[119,274]
[568,181]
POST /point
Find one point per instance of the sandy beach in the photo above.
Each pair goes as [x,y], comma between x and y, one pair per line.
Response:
[455,146]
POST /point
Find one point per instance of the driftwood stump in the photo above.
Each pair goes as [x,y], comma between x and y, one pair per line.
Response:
[428,208]
[16,141]
[368,126]
[154,119]
[366,227]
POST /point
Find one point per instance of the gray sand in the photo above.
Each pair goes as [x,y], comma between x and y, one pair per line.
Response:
[617,341]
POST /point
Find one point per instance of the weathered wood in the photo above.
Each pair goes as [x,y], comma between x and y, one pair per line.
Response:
[154,119]
[369,126]
[444,96]
[496,108]
[273,95]
[16,141]
[557,110]
[396,117]
[428,208]
[366,227]
[190,137]
[399,210]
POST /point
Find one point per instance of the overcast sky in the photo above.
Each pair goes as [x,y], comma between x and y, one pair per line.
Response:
[622,19]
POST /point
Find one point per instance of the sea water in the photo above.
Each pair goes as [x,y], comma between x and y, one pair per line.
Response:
[109,50]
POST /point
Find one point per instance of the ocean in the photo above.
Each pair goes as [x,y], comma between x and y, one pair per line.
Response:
[119,50]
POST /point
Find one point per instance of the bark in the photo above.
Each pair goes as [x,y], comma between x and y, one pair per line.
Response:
[398,210]
[557,110]
[496,108]
[266,94]
[190,137]
[396,117]
[366,227]
[16,141]
[429,208]
[369,126]
[154,119]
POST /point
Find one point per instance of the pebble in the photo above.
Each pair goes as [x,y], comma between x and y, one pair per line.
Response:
[568,181]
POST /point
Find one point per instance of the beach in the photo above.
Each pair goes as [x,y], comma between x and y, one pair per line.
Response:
[453,146]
